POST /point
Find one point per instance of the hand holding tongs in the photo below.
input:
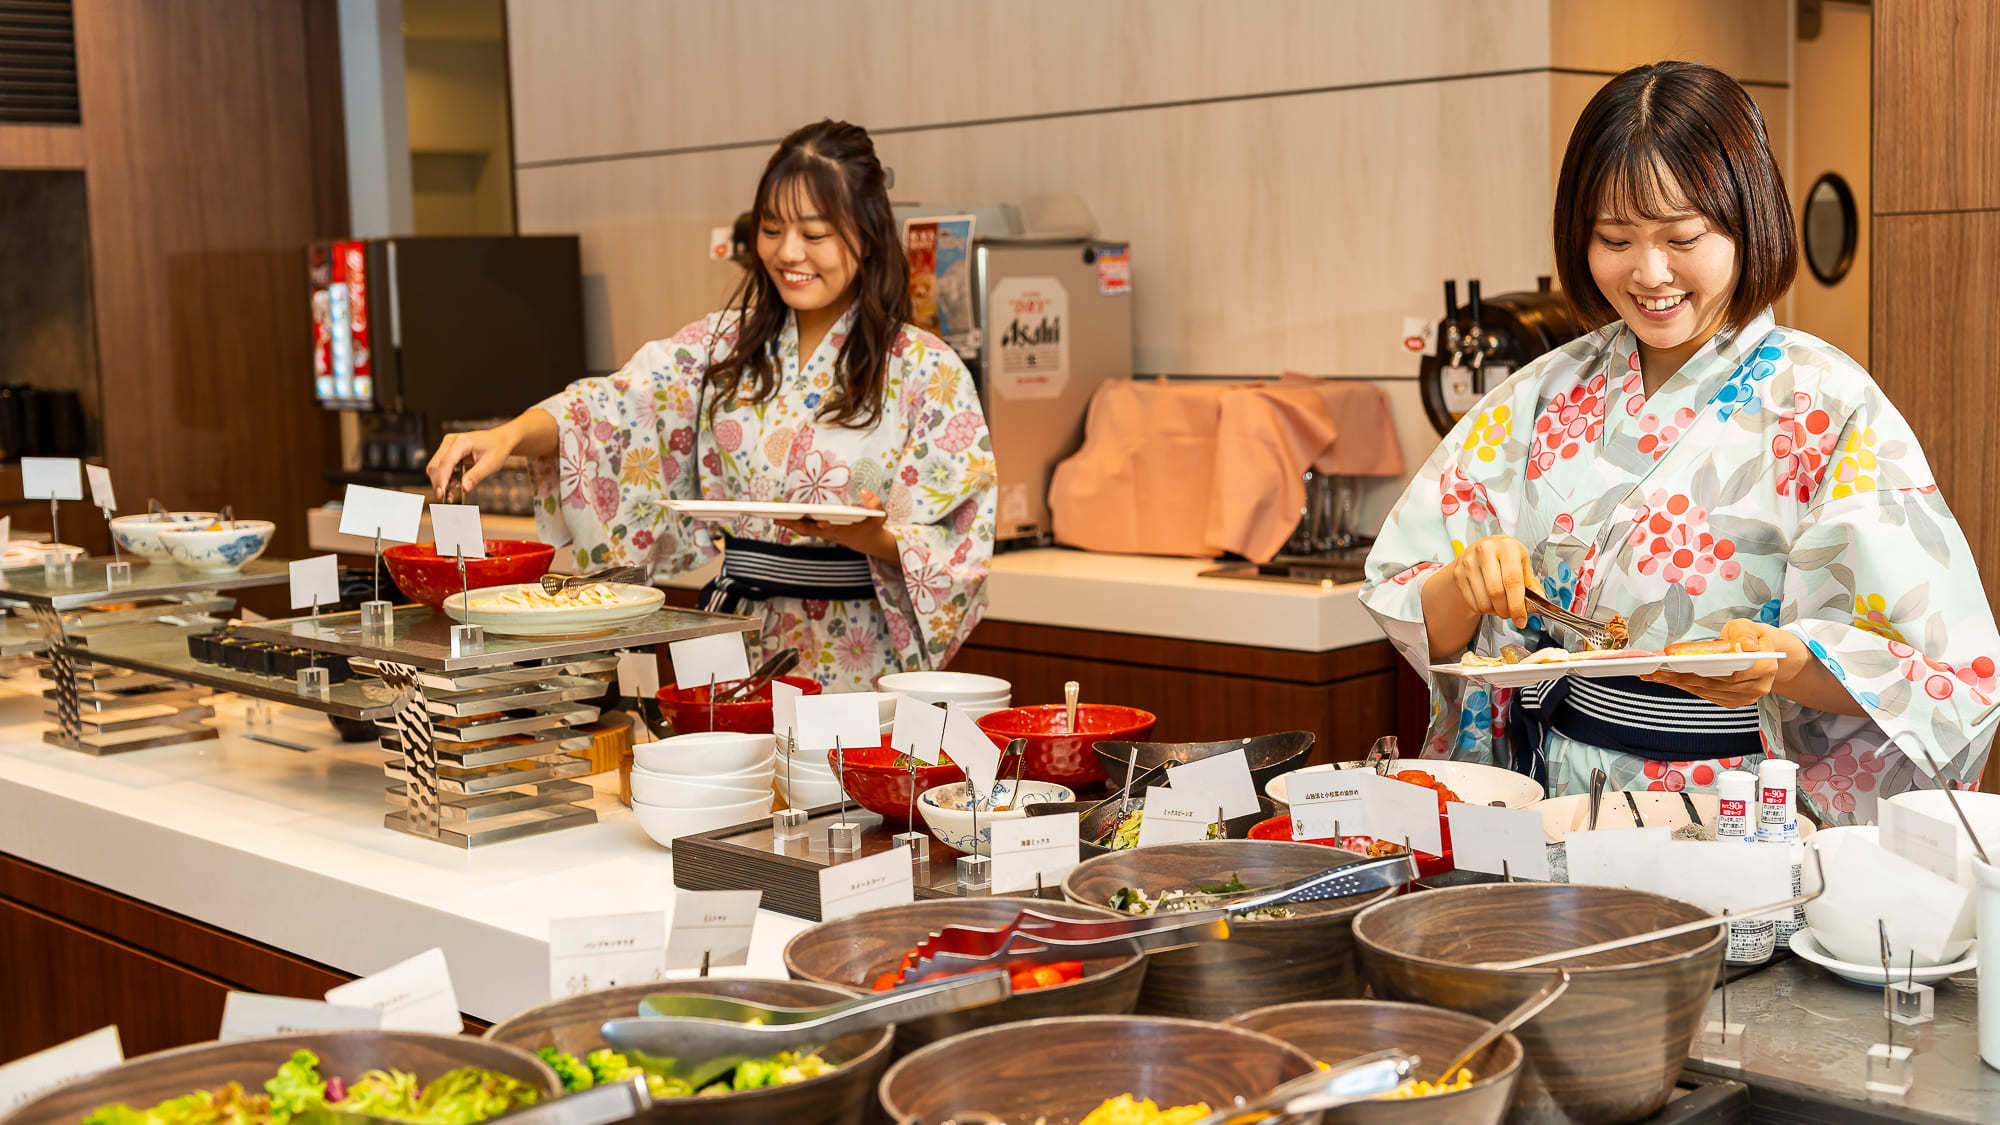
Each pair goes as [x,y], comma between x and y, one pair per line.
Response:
[1596,634]
[553,584]
[1359,1079]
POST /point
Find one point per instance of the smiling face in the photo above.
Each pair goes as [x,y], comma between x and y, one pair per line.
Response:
[1669,274]
[805,256]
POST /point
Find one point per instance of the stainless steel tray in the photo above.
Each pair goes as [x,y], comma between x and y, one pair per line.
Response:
[87,585]
[421,638]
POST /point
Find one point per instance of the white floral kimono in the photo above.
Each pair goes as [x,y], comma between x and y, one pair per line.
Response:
[631,440]
[1768,479]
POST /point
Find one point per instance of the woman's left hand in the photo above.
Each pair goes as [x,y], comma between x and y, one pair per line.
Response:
[1742,689]
[871,536]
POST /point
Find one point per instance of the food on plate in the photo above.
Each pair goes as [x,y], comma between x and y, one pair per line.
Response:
[593,596]
[1617,654]
[1428,781]
[1370,846]
[1512,654]
[1619,630]
[1547,656]
[1132,900]
[1475,660]
[1024,976]
[1126,834]
[606,1065]
[459,1097]
[1126,1110]
[1460,1079]
[1712,646]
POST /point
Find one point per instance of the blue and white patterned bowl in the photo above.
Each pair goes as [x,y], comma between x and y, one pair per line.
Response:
[947,810]
[140,534]
[217,551]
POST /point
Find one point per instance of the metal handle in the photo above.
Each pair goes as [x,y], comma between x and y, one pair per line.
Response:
[599,1105]
[916,1001]
[1597,779]
[1338,882]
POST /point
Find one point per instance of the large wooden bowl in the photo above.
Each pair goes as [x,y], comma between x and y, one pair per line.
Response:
[1610,1049]
[1056,1071]
[1268,755]
[851,952]
[1309,956]
[1335,1030]
[838,1098]
[147,1081]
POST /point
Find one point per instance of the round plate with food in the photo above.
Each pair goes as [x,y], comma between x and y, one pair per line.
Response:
[1549,663]
[771,510]
[523,609]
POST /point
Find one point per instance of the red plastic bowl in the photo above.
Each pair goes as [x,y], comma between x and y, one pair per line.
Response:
[688,711]
[430,578]
[1060,755]
[1280,828]
[871,776]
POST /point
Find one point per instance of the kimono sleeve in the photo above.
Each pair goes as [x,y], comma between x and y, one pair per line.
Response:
[625,445]
[940,504]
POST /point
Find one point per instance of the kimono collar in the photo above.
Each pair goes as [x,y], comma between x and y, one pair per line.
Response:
[787,344]
[1705,369]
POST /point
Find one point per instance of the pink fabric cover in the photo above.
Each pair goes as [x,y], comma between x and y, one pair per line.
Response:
[1197,469]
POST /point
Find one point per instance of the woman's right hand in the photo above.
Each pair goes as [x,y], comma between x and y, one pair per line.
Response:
[1491,577]
[483,450]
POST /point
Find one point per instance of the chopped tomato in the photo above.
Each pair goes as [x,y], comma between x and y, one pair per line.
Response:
[889,980]
[1045,976]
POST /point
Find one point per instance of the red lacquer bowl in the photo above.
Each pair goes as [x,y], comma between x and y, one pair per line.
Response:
[430,578]
[688,711]
[871,776]
[1280,828]
[1058,754]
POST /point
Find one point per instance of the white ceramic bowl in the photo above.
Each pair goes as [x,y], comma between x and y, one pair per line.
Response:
[804,793]
[1852,936]
[947,810]
[753,778]
[1982,809]
[216,552]
[706,752]
[140,534]
[1476,784]
[666,825]
[680,792]
[946,687]
[802,765]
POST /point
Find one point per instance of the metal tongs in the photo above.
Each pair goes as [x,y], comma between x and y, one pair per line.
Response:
[1596,634]
[553,584]
[1358,1079]
[701,1038]
[600,1105]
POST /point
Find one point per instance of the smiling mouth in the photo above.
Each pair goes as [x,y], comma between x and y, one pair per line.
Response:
[790,277]
[1661,304]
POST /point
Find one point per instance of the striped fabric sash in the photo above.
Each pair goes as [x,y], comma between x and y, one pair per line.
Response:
[1636,717]
[757,572]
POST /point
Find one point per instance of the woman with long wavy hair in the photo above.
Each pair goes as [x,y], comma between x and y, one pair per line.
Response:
[808,387]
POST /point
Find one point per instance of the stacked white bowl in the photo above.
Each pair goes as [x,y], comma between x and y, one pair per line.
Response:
[804,779]
[968,694]
[700,782]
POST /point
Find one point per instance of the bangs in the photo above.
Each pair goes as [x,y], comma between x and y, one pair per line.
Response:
[1638,186]
[811,189]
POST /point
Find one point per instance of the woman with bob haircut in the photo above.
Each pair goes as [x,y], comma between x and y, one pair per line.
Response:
[809,387]
[1706,473]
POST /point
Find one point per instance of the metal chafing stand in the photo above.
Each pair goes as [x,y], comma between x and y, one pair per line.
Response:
[480,743]
[103,706]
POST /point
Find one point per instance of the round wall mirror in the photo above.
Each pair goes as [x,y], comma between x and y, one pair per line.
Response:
[1831,229]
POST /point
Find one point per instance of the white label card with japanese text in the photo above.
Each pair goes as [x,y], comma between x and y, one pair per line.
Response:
[606,950]
[918,729]
[1719,875]
[717,923]
[28,1078]
[412,995]
[100,487]
[1222,780]
[1397,811]
[1324,801]
[848,718]
[1499,841]
[315,581]
[457,530]
[1173,818]
[882,879]
[396,516]
[1617,857]
[51,478]
[638,674]
[1037,845]
[252,1015]
[973,751]
[715,659]
[1923,840]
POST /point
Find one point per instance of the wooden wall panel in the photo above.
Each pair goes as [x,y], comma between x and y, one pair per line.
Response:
[41,146]
[212,157]
[1937,128]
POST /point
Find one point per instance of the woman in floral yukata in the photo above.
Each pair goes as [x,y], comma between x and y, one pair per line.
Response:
[808,388]
[1704,472]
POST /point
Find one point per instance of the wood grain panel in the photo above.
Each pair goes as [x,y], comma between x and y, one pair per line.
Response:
[1937,135]
[41,146]
[613,76]
[1201,656]
[210,169]
[1750,40]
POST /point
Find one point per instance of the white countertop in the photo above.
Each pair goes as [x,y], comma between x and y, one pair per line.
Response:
[288,848]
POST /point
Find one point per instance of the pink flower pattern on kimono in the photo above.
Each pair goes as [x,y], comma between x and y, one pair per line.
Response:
[1461,491]
[927,582]
[1673,777]
[1805,439]
[1673,539]
[823,480]
[1833,779]
[1572,421]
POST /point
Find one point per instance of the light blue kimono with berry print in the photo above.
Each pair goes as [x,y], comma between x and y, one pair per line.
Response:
[630,441]
[1768,479]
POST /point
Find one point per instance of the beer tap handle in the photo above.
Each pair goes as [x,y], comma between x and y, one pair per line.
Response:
[1452,337]
[1476,339]
[1451,300]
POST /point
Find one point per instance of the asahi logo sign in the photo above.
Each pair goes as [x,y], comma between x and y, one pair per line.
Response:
[1029,320]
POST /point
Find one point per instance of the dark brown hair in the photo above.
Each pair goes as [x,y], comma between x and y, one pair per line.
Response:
[1661,139]
[833,164]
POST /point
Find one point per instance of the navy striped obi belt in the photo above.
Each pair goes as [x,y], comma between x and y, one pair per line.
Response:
[1632,716]
[755,572]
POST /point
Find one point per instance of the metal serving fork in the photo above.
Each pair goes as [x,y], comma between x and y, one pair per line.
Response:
[1597,634]
[553,584]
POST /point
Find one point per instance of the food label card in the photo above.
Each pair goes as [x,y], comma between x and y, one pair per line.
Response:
[716,923]
[1498,841]
[1923,840]
[100,488]
[973,750]
[638,674]
[1324,801]
[715,659]
[1720,875]
[315,581]
[412,995]
[1920,907]
[457,530]
[1037,845]
[1397,811]
[251,1015]
[847,718]
[882,879]
[1173,818]
[51,478]
[396,516]
[605,951]
[918,730]
[785,709]
[26,1079]
[1617,857]
[1222,780]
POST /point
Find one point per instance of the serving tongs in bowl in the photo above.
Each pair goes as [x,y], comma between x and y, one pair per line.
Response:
[553,584]
[700,1038]
[1596,634]
[1357,1079]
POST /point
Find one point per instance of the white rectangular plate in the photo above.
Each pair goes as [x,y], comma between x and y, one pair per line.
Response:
[1517,675]
[771,510]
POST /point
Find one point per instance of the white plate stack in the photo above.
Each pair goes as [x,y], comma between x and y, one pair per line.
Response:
[968,694]
[700,782]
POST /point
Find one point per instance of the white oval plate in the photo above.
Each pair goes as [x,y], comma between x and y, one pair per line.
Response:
[1478,784]
[771,510]
[634,602]
[1802,943]
[1517,675]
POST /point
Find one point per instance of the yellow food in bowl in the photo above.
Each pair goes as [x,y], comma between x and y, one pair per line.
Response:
[1123,1110]
[1460,1079]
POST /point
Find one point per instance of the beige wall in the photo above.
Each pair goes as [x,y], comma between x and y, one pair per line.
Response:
[1831,134]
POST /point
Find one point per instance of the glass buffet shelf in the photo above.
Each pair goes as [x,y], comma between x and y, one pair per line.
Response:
[161,648]
[88,583]
[421,637]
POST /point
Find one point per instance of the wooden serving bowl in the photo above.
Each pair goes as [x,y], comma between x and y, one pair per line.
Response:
[838,1098]
[147,1081]
[851,952]
[1332,1031]
[1269,755]
[1058,1070]
[1309,956]
[1609,1050]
